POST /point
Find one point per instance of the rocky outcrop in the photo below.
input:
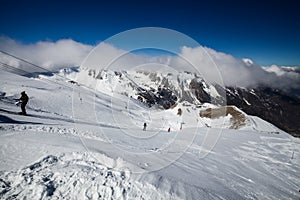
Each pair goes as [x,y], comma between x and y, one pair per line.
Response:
[238,118]
[275,106]
[163,97]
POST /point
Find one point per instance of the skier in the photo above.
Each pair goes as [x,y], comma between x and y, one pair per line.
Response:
[24,100]
[145,125]
[169,129]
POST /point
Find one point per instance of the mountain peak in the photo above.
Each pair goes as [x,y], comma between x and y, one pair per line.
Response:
[248,61]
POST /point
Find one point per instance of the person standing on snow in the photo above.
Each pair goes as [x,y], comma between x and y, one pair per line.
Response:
[145,125]
[24,100]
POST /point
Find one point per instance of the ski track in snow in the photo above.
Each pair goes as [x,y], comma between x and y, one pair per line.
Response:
[18,129]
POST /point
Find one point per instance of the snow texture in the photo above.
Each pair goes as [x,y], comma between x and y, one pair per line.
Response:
[82,143]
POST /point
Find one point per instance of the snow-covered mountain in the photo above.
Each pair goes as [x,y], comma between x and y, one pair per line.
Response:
[153,86]
[166,90]
[248,61]
[84,139]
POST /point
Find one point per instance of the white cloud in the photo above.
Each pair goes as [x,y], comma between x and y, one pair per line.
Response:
[50,55]
[275,69]
[212,65]
[216,66]
[107,56]
[284,77]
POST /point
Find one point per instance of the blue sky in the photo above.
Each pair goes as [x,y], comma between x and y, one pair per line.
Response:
[265,31]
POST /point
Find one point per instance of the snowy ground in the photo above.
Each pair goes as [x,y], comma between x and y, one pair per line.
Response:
[81,144]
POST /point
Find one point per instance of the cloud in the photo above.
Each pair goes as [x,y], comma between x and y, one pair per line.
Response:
[218,67]
[107,56]
[287,78]
[215,67]
[49,55]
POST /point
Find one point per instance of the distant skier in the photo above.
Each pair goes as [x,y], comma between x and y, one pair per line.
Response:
[145,126]
[169,129]
[23,100]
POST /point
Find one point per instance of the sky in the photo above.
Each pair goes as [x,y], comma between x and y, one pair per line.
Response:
[265,31]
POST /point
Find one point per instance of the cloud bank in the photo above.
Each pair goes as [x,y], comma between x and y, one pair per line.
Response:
[49,55]
[241,73]
[212,65]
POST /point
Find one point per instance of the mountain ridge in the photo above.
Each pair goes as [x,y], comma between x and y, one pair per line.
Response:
[166,90]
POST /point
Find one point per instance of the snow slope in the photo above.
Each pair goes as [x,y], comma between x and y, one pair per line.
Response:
[80,143]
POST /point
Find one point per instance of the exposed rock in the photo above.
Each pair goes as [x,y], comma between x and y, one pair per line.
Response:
[198,89]
[272,105]
[238,119]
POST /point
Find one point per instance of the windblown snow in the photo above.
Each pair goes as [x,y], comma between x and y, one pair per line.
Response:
[80,142]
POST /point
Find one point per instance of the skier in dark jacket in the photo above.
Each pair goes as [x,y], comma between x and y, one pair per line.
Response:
[145,125]
[24,100]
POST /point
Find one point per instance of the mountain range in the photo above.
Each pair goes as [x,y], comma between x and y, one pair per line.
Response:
[165,90]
